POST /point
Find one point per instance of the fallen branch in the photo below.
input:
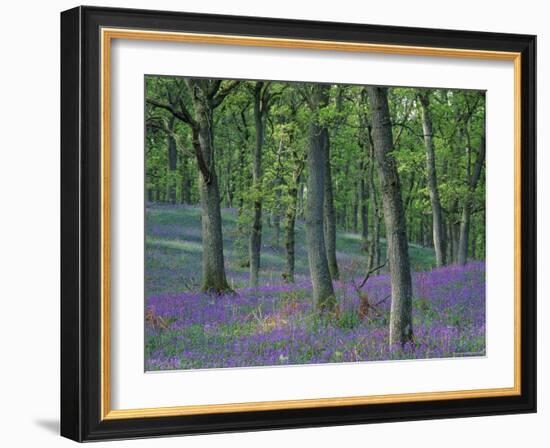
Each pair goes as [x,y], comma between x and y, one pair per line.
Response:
[372,271]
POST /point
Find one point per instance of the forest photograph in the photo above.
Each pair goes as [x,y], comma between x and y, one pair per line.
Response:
[291,223]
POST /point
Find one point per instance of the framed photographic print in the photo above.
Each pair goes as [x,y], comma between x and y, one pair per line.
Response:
[273,223]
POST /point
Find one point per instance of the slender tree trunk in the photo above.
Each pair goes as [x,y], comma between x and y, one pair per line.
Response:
[456,239]
[464,235]
[450,240]
[355,212]
[289,246]
[374,246]
[276,216]
[276,210]
[300,211]
[366,170]
[401,330]
[323,292]
[255,241]
[473,249]
[276,224]
[467,207]
[290,223]
[329,215]
[364,207]
[185,182]
[229,183]
[242,232]
[438,234]
[453,231]
[345,216]
[446,238]
[172,161]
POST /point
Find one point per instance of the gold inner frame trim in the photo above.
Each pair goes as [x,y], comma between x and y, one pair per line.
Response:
[107,35]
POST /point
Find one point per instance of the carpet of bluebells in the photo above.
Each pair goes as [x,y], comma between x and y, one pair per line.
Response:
[276,323]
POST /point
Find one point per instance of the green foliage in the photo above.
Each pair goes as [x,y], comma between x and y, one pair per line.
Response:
[458,127]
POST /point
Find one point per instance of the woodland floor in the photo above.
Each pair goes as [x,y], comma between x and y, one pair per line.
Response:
[275,324]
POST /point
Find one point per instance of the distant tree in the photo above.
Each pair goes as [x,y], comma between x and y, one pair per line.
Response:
[328,200]
[473,174]
[262,98]
[437,215]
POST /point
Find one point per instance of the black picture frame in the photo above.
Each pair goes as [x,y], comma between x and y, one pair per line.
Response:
[81,224]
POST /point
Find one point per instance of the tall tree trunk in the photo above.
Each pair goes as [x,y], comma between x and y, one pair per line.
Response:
[255,241]
[374,243]
[355,212]
[438,234]
[329,215]
[364,206]
[366,171]
[214,279]
[453,231]
[374,246]
[276,210]
[464,235]
[290,223]
[323,292]
[276,219]
[345,216]
[172,162]
[450,238]
[467,207]
[228,183]
[242,186]
[401,330]
[288,275]
[185,181]
[301,209]
[213,269]
[473,249]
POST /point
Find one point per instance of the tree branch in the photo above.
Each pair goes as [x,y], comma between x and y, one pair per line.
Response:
[372,271]
[478,164]
[183,114]
[218,97]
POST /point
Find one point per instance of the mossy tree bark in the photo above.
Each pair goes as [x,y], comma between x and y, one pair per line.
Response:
[401,330]
[437,217]
[261,105]
[472,179]
[323,291]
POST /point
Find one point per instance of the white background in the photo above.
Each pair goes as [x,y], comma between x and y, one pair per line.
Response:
[132,388]
[29,235]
